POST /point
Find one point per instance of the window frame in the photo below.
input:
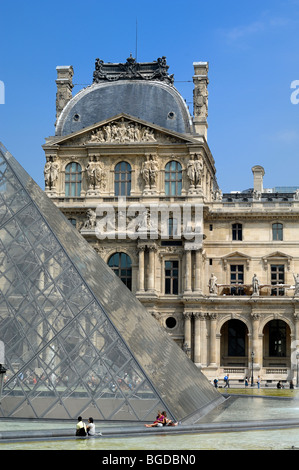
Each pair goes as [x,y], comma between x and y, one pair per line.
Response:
[237,231]
[277,291]
[73,186]
[173,186]
[238,272]
[277,232]
[122,179]
[173,279]
[118,268]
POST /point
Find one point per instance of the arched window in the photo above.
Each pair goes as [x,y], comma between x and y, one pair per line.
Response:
[277,338]
[237,331]
[121,264]
[73,179]
[173,178]
[122,179]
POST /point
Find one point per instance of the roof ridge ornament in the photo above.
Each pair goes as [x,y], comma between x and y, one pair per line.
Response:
[132,70]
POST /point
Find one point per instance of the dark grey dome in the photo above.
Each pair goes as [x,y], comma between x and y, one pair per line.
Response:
[152,101]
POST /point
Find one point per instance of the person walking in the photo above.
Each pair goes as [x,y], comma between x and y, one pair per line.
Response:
[226,381]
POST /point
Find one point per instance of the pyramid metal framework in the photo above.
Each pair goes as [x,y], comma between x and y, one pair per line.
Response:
[76,339]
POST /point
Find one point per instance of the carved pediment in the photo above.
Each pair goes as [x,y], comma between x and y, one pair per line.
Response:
[236,256]
[122,129]
[277,256]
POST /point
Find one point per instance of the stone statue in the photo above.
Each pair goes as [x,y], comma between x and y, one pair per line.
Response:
[149,171]
[51,171]
[218,195]
[255,285]
[95,173]
[191,171]
[198,170]
[213,284]
[91,219]
[296,279]
[201,100]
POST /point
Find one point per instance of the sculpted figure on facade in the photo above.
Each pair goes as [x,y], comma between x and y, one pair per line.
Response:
[123,132]
[95,173]
[255,285]
[296,280]
[149,171]
[212,284]
[218,195]
[90,223]
[201,100]
[51,172]
[195,171]
[191,171]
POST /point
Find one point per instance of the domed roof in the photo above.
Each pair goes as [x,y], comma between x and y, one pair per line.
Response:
[141,90]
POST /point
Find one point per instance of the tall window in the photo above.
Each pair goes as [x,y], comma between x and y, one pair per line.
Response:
[173,179]
[172,227]
[236,338]
[122,179]
[171,277]
[277,277]
[277,232]
[121,264]
[237,277]
[73,179]
[277,338]
[237,231]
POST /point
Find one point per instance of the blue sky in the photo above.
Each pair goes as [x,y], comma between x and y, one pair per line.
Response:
[252,48]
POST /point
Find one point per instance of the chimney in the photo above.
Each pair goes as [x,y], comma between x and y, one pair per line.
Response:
[65,85]
[200,97]
[258,173]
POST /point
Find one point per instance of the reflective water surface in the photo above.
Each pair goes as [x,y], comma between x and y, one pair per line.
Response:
[239,409]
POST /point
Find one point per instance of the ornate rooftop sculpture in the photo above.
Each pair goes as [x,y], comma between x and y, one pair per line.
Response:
[132,70]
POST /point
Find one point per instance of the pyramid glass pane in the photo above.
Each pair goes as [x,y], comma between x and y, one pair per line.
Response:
[76,340]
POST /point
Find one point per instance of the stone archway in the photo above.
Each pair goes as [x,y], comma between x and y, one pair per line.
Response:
[234,344]
[276,344]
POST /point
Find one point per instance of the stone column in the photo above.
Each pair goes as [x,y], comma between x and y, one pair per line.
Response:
[197,271]
[141,269]
[151,275]
[188,282]
[65,85]
[213,352]
[295,348]
[200,97]
[255,341]
[187,329]
[197,335]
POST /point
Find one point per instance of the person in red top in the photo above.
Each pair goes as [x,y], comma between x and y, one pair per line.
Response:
[159,421]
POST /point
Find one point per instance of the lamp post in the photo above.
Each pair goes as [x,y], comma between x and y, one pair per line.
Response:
[2,372]
[252,356]
[297,378]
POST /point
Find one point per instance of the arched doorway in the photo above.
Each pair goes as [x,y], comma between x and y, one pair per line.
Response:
[234,344]
[276,344]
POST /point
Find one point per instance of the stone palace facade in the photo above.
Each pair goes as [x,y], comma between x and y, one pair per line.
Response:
[131,169]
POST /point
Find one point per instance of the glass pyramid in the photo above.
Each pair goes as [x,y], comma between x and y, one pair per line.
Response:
[77,341]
